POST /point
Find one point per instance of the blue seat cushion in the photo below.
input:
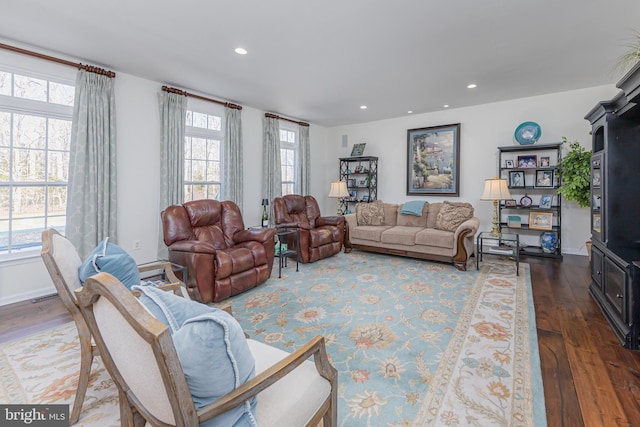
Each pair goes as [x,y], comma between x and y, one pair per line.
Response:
[110,258]
[212,349]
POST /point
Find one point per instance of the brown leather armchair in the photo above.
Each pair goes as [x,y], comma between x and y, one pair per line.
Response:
[320,236]
[223,259]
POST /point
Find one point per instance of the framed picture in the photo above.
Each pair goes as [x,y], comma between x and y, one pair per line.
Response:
[351,182]
[596,223]
[358,149]
[595,178]
[365,198]
[433,160]
[353,195]
[509,163]
[596,201]
[528,161]
[544,178]
[516,179]
[540,220]
[545,201]
[362,183]
[510,203]
[358,169]
[544,162]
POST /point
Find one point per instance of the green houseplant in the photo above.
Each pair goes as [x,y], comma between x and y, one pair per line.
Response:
[576,174]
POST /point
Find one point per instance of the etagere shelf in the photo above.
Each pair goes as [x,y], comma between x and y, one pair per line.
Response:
[361,175]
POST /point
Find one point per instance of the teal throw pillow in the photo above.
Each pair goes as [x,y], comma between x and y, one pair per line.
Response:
[110,258]
[212,349]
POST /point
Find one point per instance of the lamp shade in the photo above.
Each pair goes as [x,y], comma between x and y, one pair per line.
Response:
[495,189]
[265,202]
[339,189]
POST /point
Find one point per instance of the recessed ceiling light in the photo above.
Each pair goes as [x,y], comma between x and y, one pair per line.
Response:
[363,107]
[241,51]
[446,105]
[410,111]
[472,86]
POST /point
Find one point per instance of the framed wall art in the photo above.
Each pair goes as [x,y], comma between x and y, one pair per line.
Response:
[541,220]
[433,160]
[358,149]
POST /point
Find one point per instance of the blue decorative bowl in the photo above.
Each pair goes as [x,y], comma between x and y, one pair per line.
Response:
[528,133]
[549,242]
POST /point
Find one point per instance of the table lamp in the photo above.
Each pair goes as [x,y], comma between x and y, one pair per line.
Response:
[495,189]
[339,191]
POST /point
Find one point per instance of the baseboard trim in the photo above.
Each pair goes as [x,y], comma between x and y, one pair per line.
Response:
[27,295]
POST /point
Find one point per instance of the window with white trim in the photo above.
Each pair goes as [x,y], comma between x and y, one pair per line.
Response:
[289,160]
[203,155]
[35,133]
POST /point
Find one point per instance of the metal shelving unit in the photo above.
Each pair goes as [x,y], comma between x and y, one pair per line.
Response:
[363,185]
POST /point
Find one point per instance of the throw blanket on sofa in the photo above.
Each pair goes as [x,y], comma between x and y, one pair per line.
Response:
[413,208]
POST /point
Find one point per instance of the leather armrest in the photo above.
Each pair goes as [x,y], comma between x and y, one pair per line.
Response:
[293,225]
[330,220]
[259,235]
[193,246]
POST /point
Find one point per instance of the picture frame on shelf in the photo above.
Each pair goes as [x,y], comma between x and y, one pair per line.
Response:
[545,201]
[541,220]
[528,161]
[510,203]
[358,169]
[362,183]
[516,179]
[358,149]
[595,204]
[353,195]
[509,164]
[595,178]
[544,178]
[351,182]
[433,160]
[596,223]
[545,162]
[365,198]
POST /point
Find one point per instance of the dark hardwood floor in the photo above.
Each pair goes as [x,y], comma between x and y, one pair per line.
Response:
[589,378]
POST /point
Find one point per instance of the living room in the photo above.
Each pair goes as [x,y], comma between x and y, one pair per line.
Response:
[484,127]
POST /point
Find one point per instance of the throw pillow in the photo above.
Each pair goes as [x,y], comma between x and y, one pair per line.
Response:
[110,258]
[212,349]
[370,213]
[452,214]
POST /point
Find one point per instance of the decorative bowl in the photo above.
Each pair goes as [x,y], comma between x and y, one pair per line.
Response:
[528,133]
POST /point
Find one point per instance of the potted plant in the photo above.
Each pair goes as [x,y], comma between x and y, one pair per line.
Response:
[576,176]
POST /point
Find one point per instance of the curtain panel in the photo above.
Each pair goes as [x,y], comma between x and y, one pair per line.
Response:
[271,166]
[91,194]
[232,169]
[173,110]
[304,163]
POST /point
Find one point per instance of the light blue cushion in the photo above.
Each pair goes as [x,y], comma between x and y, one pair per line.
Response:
[413,207]
[112,259]
[212,348]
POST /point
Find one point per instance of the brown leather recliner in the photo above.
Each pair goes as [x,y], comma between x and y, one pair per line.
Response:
[320,236]
[223,259]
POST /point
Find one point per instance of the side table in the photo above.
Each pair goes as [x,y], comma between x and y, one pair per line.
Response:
[284,233]
[501,249]
[162,274]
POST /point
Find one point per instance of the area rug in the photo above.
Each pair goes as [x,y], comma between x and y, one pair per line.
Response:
[414,343]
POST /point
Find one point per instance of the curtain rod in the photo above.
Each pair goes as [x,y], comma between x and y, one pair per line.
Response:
[80,66]
[275,116]
[185,93]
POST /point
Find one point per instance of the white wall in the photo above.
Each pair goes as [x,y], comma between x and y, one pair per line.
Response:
[483,129]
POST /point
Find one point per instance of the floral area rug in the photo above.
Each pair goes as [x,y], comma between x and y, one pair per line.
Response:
[415,343]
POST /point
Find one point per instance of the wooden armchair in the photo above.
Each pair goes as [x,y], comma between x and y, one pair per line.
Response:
[140,353]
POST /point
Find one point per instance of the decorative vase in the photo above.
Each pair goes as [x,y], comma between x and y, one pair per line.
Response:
[549,242]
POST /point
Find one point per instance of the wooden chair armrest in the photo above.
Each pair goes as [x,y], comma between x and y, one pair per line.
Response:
[160,265]
[315,347]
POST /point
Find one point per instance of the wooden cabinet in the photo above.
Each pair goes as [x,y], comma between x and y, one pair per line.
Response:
[615,229]
[361,175]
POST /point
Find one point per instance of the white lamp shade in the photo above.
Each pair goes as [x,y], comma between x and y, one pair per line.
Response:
[339,189]
[495,189]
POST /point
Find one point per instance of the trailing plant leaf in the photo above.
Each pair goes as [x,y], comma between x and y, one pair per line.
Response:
[576,174]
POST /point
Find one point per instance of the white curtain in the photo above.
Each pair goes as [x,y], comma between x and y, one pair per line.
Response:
[304,163]
[173,109]
[91,195]
[232,182]
[271,166]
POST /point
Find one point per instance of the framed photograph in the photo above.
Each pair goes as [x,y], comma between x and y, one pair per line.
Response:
[595,178]
[596,223]
[358,169]
[433,161]
[351,182]
[353,195]
[510,203]
[528,161]
[540,220]
[544,162]
[358,149]
[595,204]
[365,198]
[544,178]
[509,164]
[545,201]
[516,179]
[362,183]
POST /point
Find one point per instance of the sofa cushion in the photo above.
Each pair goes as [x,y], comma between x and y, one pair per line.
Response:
[400,235]
[433,237]
[432,214]
[452,214]
[412,220]
[370,213]
[212,349]
[112,259]
[390,214]
[368,232]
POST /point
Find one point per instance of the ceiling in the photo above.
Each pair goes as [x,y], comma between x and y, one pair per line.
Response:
[319,61]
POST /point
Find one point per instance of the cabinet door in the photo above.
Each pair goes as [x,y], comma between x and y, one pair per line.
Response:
[596,266]
[615,287]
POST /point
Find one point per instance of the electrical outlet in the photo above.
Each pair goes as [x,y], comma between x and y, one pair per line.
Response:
[137,244]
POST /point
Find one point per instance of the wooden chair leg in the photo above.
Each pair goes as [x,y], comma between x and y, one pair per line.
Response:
[86,360]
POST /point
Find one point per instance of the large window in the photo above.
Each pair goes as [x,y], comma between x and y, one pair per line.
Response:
[202,156]
[289,160]
[35,134]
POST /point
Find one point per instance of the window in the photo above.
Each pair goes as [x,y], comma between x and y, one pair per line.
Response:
[35,134]
[289,160]
[202,155]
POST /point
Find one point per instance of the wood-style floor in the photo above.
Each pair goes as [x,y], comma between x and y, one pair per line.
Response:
[589,378]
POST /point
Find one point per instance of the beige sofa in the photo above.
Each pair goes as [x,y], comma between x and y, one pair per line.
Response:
[443,232]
